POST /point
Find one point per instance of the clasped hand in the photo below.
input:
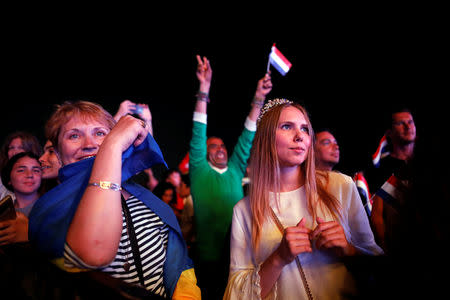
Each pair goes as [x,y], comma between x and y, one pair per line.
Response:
[328,235]
[128,131]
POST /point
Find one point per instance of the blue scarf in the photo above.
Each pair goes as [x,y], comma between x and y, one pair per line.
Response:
[52,213]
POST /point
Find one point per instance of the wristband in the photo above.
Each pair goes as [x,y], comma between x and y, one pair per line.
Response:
[201,96]
[258,101]
[106,185]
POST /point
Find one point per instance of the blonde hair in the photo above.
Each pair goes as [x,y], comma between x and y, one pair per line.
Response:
[265,172]
[84,109]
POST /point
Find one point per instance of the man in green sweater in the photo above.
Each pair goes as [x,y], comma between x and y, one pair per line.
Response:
[216,184]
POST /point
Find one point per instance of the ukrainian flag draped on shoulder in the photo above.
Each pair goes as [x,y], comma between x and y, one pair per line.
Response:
[53,212]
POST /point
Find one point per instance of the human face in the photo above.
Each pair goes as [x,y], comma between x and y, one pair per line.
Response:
[174,178]
[326,150]
[217,153]
[80,139]
[167,196]
[26,176]
[185,190]
[403,128]
[292,138]
[50,162]
[16,146]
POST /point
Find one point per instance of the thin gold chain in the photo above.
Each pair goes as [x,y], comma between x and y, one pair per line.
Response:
[297,260]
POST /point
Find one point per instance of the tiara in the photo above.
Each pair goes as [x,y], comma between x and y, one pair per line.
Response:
[270,104]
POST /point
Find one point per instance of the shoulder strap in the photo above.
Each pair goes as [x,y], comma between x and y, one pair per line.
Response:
[297,260]
[133,241]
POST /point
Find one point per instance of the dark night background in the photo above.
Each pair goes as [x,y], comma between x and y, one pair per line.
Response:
[351,63]
[346,71]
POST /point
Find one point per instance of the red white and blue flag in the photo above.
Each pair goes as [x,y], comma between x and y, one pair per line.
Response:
[363,189]
[381,152]
[391,193]
[277,59]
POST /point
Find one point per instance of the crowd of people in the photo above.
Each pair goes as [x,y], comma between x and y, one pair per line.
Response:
[90,211]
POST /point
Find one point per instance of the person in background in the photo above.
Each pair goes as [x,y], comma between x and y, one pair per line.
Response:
[290,237]
[152,181]
[173,176]
[326,150]
[168,194]
[216,182]
[24,273]
[138,110]
[50,164]
[22,175]
[16,142]
[401,138]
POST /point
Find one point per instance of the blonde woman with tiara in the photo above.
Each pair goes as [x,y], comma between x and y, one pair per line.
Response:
[291,233]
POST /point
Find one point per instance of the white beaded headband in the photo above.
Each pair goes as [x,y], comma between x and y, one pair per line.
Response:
[270,104]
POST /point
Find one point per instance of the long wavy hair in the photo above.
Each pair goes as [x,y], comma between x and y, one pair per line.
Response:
[265,173]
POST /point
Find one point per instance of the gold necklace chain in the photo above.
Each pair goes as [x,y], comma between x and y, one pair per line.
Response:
[297,259]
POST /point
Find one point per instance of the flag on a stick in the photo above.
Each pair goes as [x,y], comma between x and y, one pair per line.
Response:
[382,151]
[363,190]
[277,59]
[393,191]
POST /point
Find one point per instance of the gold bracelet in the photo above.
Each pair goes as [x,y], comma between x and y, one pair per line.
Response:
[106,185]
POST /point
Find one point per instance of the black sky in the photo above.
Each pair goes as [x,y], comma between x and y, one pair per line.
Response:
[346,74]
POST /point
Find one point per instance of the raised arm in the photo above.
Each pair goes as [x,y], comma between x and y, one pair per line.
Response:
[128,107]
[204,75]
[263,88]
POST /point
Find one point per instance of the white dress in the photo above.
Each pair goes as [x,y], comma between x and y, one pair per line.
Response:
[327,276]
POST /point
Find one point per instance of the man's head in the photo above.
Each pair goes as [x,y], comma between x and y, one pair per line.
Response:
[402,130]
[326,149]
[185,186]
[216,152]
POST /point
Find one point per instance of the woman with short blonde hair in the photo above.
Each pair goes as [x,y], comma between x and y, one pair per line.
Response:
[98,219]
[85,110]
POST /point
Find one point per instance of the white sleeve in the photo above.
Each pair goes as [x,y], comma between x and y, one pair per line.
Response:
[200,117]
[250,125]
[361,235]
[244,280]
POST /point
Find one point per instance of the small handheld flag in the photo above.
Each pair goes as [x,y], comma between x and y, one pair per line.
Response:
[393,191]
[382,151]
[277,59]
[363,190]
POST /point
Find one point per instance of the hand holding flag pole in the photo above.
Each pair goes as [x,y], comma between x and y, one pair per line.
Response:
[277,59]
